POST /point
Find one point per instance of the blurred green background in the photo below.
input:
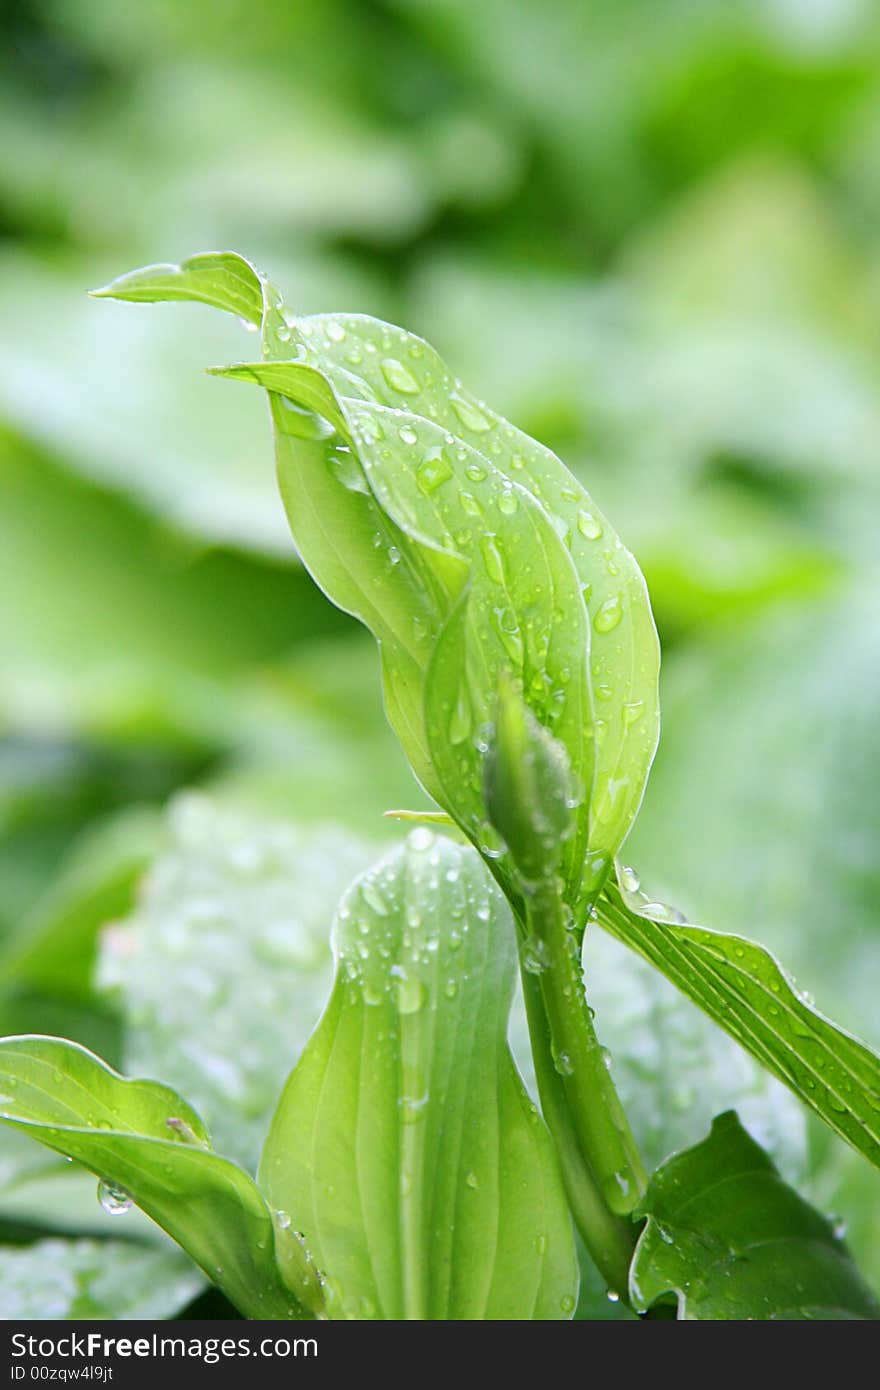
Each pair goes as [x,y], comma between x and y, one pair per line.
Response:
[645,231]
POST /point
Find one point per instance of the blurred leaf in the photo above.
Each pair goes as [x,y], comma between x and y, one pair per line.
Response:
[138,638]
[404,1146]
[233,922]
[66,1098]
[742,988]
[55,1279]
[54,949]
[730,1240]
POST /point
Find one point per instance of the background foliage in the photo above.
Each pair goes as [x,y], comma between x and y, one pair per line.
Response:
[643,231]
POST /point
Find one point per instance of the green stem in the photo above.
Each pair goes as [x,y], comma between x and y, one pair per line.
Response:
[601,1165]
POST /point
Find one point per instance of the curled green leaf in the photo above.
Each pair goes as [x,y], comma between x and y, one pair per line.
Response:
[466,548]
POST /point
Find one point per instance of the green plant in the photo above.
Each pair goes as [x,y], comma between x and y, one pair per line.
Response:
[406,1172]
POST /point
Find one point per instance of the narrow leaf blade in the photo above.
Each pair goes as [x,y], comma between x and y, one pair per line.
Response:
[740,985]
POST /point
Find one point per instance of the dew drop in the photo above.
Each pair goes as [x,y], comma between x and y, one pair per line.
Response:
[567,1304]
[589,526]
[612,1295]
[633,712]
[433,471]
[509,632]
[373,898]
[535,956]
[608,615]
[629,879]
[114,1200]
[492,559]
[470,504]
[399,377]
[408,435]
[508,503]
[460,723]
[469,415]
[410,991]
[563,1064]
[335,332]
[472,1180]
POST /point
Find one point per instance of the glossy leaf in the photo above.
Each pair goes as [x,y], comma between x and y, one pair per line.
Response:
[142,1139]
[73,1279]
[674,1069]
[242,905]
[731,1240]
[436,495]
[740,985]
[404,1146]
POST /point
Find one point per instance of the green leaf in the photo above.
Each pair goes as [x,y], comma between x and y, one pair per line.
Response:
[73,1279]
[142,1139]
[242,905]
[731,1240]
[404,1146]
[436,496]
[674,1069]
[739,985]
[224,281]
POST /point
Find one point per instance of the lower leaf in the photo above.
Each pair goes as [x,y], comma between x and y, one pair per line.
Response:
[149,1147]
[404,1146]
[730,1240]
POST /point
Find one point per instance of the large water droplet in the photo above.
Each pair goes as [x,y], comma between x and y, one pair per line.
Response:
[469,415]
[114,1200]
[563,1063]
[589,526]
[399,377]
[535,956]
[629,879]
[433,471]
[373,898]
[410,990]
[509,632]
[492,559]
[460,723]
[508,503]
[608,615]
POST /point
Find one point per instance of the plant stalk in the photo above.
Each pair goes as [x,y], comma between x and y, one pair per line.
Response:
[601,1166]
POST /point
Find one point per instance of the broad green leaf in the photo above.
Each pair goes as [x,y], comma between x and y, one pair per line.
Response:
[731,1240]
[141,1139]
[740,985]
[73,1279]
[434,493]
[233,921]
[404,1146]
